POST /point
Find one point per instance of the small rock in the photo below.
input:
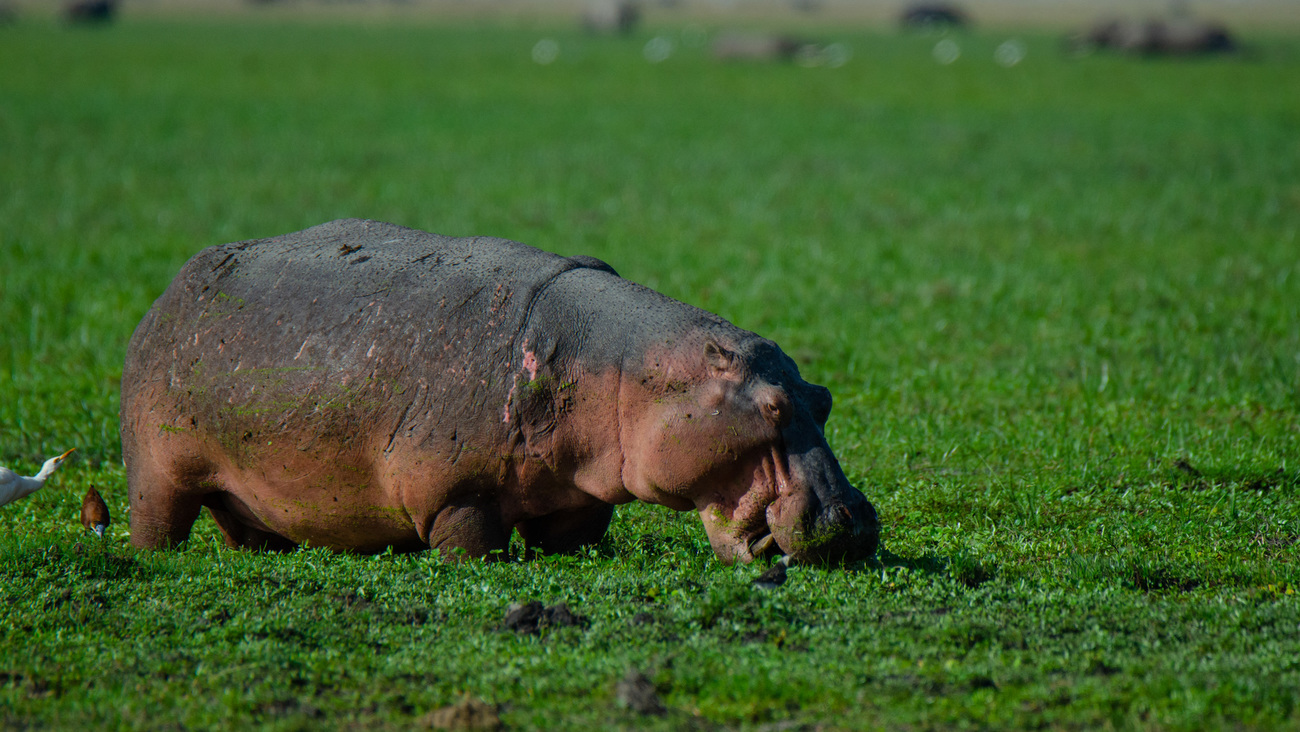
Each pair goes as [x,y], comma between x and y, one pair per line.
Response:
[636,692]
[774,577]
[466,714]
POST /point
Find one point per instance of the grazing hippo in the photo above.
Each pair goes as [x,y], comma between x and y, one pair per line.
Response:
[740,46]
[611,17]
[927,16]
[360,385]
[89,11]
[1155,37]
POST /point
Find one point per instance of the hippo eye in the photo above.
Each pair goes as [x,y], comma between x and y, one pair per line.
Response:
[776,409]
[773,412]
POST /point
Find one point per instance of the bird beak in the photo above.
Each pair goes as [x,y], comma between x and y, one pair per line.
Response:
[65,455]
[99,530]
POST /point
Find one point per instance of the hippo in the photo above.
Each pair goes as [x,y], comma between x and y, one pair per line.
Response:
[363,386]
[89,12]
[740,46]
[933,15]
[611,17]
[1177,36]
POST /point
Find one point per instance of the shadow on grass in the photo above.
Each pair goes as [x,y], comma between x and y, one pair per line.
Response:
[1136,573]
[92,561]
[1184,474]
[963,567]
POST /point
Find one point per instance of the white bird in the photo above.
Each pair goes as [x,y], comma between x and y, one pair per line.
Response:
[14,486]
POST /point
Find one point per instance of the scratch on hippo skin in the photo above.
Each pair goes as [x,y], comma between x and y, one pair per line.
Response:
[530,363]
[393,435]
[514,384]
[300,350]
[223,262]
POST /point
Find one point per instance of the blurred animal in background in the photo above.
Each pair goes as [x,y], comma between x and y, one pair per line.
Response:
[933,16]
[611,17]
[88,12]
[738,46]
[94,513]
[14,486]
[1177,36]
[8,14]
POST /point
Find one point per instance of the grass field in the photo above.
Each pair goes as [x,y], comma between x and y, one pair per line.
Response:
[1058,305]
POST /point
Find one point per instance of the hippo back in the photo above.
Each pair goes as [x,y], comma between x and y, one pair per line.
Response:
[349,326]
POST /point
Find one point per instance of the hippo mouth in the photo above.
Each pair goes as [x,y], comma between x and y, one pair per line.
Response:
[797,502]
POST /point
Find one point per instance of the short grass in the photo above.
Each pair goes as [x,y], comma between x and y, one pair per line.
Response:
[1058,305]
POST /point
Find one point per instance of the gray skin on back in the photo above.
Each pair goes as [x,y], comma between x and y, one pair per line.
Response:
[361,385]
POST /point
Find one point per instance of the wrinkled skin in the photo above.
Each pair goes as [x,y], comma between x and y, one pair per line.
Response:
[361,386]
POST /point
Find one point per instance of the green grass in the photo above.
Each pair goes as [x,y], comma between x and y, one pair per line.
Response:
[1058,306]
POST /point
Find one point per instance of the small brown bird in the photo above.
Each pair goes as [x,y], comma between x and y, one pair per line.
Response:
[94,512]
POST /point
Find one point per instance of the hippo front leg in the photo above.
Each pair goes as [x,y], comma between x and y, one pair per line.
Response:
[475,529]
[565,532]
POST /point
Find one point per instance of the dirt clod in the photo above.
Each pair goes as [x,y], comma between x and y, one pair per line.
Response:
[636,692]
[467,714]
[533,616]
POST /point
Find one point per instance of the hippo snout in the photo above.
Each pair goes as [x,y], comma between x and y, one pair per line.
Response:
[843,531]
[855,527]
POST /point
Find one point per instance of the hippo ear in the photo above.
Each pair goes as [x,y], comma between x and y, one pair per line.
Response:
[583,260]
[720,360]
[819,401]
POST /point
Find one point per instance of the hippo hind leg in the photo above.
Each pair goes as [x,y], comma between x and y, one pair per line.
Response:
[565,532]
[164,505]
[232,518]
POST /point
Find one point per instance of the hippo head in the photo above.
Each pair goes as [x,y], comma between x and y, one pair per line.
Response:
[726,426]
